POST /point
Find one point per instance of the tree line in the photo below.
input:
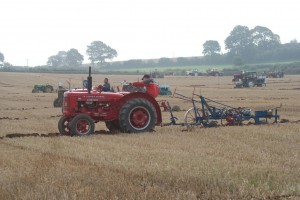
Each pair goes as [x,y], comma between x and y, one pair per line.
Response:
[98,53]
[243,45]
[255,45]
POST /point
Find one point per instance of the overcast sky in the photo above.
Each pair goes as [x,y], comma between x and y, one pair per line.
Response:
[33,30]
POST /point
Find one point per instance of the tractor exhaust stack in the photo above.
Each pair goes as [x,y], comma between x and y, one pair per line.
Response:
[89,79]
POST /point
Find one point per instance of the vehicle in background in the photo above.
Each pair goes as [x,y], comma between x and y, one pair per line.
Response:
[248,79]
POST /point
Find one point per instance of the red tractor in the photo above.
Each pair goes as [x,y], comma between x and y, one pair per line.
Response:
[122,111]
[214,72]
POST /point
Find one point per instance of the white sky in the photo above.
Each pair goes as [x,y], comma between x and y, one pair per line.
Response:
[34,30]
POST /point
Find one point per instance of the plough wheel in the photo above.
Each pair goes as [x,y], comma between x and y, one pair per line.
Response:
[192,118]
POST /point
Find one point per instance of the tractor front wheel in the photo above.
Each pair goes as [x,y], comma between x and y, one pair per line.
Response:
[250,84]
[64,125]
[82,125]
[56,103]
[137,115]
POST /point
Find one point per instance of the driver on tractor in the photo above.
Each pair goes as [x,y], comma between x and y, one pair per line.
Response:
[149,84]
[105,87]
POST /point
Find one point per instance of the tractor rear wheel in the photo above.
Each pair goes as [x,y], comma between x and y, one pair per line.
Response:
[137,115]
[64,125]
[113,126]
[82,125]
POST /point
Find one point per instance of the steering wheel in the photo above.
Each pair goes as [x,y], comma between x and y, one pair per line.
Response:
[100,88]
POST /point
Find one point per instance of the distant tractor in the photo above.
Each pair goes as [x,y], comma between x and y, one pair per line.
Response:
[214,72]
[164,90]
[275,74]
[127,112]
[193,72]
[248,79]
[42,89]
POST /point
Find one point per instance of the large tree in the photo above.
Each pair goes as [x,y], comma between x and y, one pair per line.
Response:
[239,42]
[211,47]
[264,39]
[99,52]
[57,60]
[74,58]
[70,59]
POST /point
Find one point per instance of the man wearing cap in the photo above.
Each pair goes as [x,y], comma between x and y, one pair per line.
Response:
[151,87]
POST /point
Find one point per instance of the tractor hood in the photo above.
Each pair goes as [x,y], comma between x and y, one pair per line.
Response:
[94,95]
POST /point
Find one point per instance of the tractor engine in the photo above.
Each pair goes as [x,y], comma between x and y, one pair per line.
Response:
[95,104]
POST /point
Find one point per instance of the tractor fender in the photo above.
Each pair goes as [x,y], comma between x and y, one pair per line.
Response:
[146,96]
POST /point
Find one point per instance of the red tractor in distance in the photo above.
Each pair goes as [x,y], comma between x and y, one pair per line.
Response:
[122,111]
[214,72]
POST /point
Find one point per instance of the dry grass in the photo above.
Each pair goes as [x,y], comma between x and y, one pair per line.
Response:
[247,162]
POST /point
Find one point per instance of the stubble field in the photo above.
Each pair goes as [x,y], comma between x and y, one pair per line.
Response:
[232,162]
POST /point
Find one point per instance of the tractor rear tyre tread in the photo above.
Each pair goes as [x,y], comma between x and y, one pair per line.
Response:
[137,115]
